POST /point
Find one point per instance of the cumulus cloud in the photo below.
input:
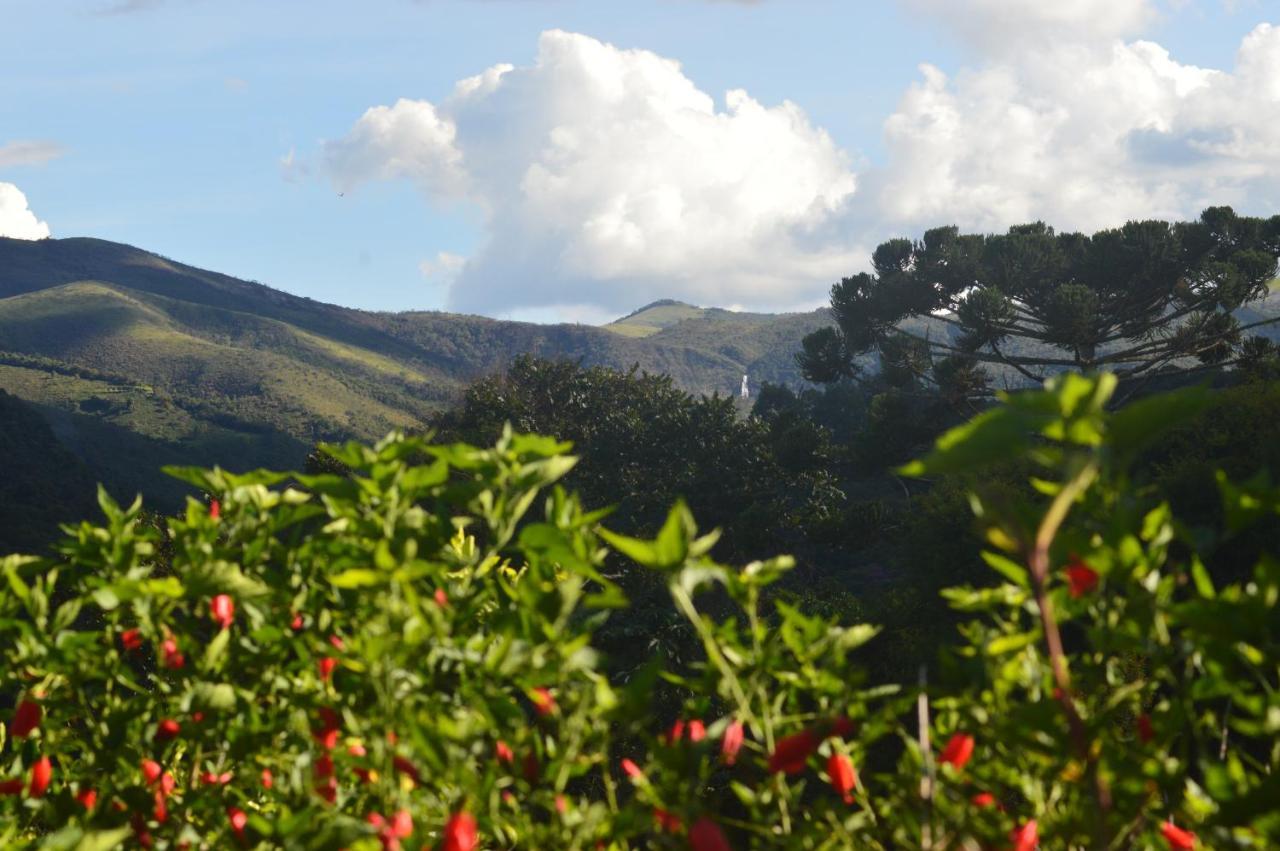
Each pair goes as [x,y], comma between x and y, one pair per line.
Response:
[1086,134]
[30,152]
[607,177]
[16,219]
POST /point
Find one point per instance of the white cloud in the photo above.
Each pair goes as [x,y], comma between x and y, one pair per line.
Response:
[1084,134]
[607,177]
[16,219]
[445,266]
[28,152]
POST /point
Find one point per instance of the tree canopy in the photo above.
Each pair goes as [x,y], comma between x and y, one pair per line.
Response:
[1131,300]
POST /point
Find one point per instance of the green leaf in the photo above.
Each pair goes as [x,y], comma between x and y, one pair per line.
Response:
[103,840]
[989,437]
[216,652]
[1138,424]
[356,577]
[1009,569]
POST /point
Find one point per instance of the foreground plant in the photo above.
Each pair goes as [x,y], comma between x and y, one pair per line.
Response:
[405,657]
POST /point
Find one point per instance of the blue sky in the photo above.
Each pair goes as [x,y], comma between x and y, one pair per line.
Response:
[592,177]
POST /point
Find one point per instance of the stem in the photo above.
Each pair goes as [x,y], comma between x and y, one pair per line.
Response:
[1038,562]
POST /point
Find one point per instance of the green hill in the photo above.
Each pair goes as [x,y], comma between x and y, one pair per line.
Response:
[135,361]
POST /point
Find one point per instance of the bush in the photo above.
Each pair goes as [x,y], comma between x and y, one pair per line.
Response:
[403,656]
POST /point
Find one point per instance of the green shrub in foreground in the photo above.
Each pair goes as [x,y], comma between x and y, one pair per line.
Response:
[403,657]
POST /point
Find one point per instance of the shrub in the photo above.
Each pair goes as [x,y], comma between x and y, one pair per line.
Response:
[403,657]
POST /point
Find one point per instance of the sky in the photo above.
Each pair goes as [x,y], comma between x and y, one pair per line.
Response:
[572,160]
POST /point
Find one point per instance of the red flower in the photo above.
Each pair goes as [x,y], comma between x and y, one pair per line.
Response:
[562,804]
[407,768]
[1026,837]
[790,754]
[731,743]
[668,822]
[159,810]
[173,657]
[705,835]
[357,749]
[336,641]
[151,771]
[25,719]
[131,639]
[223,609]
[167,784]
[983,799]
[843,727]
[324,766]
[441,598]
[326,666]
[1146,732]
[460,833]
[215,509]
[41,777]
[268,779]
[504,752]
[632,770]
[238,820]
[1178,839]
[11,787]
[297,623]
[210,778]
[697,730]
[88,798]
[543,701]
[843,777]
[167,729]
[1081,579]
[328,790]
[958,750]
[402,824]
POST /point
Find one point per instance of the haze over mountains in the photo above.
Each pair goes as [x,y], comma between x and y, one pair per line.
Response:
[137,361]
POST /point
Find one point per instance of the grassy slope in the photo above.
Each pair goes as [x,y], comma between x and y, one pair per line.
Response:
[136,360]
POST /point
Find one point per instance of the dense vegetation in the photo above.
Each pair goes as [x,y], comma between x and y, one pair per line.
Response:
[404,655]
[1132,299]
[141,361]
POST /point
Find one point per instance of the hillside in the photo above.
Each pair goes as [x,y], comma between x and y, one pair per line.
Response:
[135,360]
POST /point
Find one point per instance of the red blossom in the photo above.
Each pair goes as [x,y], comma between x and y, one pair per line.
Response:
[792,753]
[238,820]
[562,804]
[296,625]
[41,777]
[958,750]
[667,821]
[173,657]
[324,766]
[706,835]
[843,776]
[88,798]
[697,730]
[336,641]
[632,770]
[151,771]
[843,727]
[441,598]
[1177,838]
[1081,579]
[268,779]
[167,729]
[543,701]
[402,824]
[356,749]
[160,811]
[11,787]
[676,733]
[131,639]
[1146,731]
[983,799]
[326,664]
[215,509]
[504,753]
[460,833]
[731,743]
[167,784]
[25,719]
[407,768]
[1026,837]
[223,609]
[328,790]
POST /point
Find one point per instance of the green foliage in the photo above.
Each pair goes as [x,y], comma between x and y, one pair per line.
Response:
[1031,302]
[409,647]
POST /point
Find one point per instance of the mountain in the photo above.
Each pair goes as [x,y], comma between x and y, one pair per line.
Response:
[134,360]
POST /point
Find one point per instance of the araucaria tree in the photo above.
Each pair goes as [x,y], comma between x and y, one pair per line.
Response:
[1130,300]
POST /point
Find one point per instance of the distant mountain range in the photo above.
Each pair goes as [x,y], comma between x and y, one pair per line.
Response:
[136,361]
